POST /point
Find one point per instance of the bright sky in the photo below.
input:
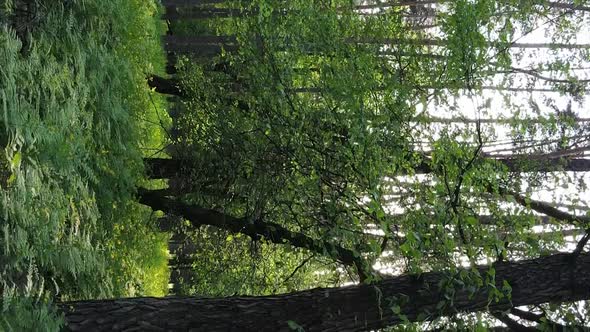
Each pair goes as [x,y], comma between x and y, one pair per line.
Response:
[563,188]
[477,106]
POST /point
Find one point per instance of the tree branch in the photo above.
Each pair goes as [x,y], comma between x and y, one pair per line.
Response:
[255,229]
[512,324]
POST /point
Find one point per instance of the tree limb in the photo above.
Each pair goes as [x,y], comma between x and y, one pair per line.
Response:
[255,229]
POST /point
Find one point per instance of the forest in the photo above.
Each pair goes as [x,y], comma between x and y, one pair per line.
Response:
[294,165]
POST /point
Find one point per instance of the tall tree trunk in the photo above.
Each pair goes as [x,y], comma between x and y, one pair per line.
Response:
[400,3]
[172,13]
[171,61]
[447,87]
[162,168]
[205,46]
[193,43]
[188,3]
[524,165]
[164,85]
[179,276]
[556,278]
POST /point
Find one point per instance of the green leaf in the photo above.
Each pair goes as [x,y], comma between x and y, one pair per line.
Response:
[16,159]
[294,326]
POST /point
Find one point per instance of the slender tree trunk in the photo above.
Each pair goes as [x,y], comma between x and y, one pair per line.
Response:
[160,168]
[391,4]
[190,43]
[171,63]
[205,46]
[556,278]
[172,13]
[524,165]
[255,229]
[540,120]
[437,87]
[188,3]
[164,85]
[198,13]
[180,276]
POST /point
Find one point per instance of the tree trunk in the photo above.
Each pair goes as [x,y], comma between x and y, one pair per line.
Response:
[255,229]
[171,63]
[161,168]
[172,13]
[188,3]
[390,4]
[205,46]
[164,85]
[557,278]
[180,276]
[524,165]
[192,44]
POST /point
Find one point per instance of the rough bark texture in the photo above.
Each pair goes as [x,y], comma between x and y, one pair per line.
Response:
[556,278]
[253,228]
[159,168]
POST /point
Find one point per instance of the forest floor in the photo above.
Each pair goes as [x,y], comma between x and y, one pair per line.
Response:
[77,117]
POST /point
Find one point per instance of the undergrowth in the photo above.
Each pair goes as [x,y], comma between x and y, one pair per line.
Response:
[76,118]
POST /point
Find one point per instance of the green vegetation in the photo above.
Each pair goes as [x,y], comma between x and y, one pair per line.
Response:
[75,120]
[269,147]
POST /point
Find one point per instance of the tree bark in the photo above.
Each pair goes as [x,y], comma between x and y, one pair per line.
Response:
[171,63]
[164,85]
[255,229]
[191,2]
[172,13]
[205,46]
[524,165]
[546,209]
[557,278]
[160,168]
[180,276]
[193,43]
[390,4]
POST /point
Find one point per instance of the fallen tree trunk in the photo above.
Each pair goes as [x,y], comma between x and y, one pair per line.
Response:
[557,278]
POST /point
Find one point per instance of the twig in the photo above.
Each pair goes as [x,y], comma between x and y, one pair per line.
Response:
[298,267]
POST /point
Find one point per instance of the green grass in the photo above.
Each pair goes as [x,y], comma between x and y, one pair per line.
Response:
[76,117]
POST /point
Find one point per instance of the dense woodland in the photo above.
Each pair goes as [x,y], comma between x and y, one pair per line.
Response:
[301,165]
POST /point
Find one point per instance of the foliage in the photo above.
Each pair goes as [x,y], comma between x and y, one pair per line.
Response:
[319,122]
[314,122]
[246,267]
[72,88]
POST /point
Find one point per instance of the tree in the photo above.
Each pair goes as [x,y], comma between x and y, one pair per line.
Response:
[311,125]
[355,308]
[256,229]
